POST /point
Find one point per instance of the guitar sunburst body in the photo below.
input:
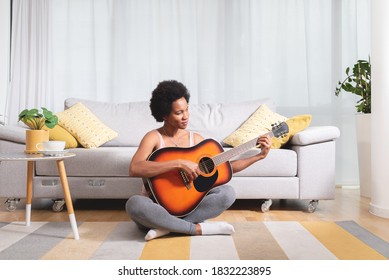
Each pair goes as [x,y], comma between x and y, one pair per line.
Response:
[174,191]
[180,196]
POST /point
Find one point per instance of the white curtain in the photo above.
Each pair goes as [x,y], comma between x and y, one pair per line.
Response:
[293,51]
[31,61]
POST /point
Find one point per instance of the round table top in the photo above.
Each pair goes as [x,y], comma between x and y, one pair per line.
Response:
[21,156]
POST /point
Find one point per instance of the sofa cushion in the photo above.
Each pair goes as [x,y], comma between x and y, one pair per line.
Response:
[99,162]
[58,133]
[295,125]
[219,120]
[11,133]
[115,162]
[85,126]
[132,120]
[278,163]
[259,123]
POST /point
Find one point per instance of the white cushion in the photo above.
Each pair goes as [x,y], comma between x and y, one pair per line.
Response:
[133,120]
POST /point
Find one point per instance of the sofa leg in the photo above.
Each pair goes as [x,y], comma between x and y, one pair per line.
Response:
[313,205]
[266,205]
[58,205]
[11,204]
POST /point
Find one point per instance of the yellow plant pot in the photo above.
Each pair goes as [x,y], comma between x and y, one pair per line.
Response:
[34,137]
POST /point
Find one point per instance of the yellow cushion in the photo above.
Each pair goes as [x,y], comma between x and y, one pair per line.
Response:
[295,124]
[85,126]
[58,133]
[259,123]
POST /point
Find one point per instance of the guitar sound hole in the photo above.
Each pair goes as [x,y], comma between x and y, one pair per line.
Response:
[206,165]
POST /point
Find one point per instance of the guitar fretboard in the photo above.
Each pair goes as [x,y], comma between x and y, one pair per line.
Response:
[227,155]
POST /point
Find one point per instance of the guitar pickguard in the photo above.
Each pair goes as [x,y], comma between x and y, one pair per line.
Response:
[204,184]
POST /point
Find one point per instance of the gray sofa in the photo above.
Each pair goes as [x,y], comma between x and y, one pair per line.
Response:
[305,170]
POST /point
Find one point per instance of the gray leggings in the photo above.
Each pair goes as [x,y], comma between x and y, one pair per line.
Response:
[149,215]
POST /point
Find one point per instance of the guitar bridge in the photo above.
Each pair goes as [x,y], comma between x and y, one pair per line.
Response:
[185,179]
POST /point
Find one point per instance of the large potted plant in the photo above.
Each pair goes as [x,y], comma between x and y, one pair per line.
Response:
[358,82]
[37,120]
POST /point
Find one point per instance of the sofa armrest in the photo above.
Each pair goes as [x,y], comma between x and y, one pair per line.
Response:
[15,134]
[315,134]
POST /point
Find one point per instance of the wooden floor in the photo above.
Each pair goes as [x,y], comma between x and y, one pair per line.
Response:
[348,205]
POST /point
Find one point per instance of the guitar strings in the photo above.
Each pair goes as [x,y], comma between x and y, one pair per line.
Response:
[210,163]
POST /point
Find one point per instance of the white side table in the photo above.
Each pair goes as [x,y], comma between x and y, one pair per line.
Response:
[31,159]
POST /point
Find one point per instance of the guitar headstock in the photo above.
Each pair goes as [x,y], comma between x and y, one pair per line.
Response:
[280,129]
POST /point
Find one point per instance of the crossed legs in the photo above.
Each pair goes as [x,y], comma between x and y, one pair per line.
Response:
[149,215]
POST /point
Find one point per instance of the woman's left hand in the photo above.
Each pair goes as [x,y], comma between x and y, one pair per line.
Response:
[265,144]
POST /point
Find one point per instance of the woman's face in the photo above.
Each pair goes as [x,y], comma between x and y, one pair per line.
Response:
[179,115]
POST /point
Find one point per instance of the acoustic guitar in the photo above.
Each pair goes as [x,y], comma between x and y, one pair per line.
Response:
[180,196]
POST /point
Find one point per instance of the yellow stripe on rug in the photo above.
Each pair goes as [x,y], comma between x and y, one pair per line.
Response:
[92,235]
[167,248]
[341,243]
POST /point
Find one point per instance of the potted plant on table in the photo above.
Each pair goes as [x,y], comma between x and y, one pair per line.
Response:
[36,120]
[359,82]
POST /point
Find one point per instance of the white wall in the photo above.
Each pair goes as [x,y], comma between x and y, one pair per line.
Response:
[379,204]
[4,53]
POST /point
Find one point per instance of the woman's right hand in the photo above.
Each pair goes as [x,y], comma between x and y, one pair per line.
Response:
[190,168]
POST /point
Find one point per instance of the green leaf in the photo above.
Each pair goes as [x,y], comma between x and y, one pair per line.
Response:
[36,119]
[359,83]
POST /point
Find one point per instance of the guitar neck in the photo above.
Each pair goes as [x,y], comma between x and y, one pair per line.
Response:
[227,155]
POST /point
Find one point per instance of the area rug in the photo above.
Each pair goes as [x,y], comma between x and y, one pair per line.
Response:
[284,240]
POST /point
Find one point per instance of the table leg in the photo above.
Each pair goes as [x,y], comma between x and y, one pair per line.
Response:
[68,199]
[30,170]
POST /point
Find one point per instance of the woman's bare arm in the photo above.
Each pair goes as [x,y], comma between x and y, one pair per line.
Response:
[141,167]
[240,164]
